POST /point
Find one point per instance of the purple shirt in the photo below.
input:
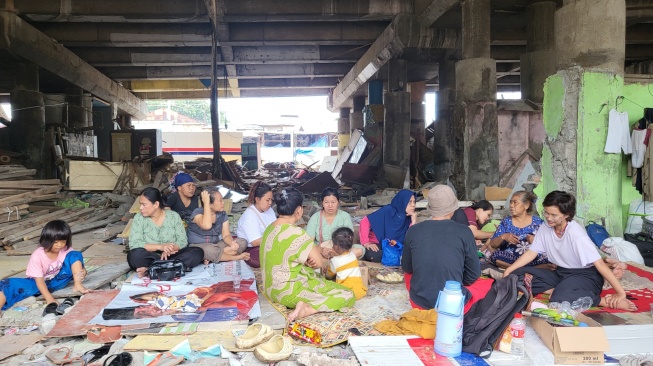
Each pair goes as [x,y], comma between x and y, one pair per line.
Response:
[574,250]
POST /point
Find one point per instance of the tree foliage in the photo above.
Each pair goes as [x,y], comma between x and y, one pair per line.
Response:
[198,109]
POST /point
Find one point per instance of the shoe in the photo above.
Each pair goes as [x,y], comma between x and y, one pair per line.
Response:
[67,303]
[255,334]
[50,308]
[119,359]
[277,349]
[636,360]
[95,354]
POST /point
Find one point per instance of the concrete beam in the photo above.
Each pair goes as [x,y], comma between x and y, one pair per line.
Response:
[26,41]
[322,11]
[114,11]
[433,11]
[243,72]
[199,34]
[199,94]
[404,31]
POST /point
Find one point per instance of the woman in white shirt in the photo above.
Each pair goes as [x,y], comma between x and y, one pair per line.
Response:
[256,219]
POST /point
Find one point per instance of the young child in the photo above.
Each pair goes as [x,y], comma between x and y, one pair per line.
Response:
[345,266]
[51,267]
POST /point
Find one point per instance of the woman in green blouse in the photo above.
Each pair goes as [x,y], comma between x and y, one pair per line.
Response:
[158,234]
[323,223]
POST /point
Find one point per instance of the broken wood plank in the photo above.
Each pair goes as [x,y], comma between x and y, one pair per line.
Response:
[17,173]
[72,323]
[28,197]
[36,218]
[96,279]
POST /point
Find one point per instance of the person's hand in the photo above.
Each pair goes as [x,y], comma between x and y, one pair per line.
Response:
[510,238]
[81,275]
[168,250]
[413,218]
[372,247]
[206,198]
[614,300]
[313,263]
[618,268]
[328,253]
[530,238]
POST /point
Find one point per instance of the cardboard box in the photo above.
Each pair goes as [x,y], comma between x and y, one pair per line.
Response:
[573,345]
[497,193]
[121,146]
[147,144]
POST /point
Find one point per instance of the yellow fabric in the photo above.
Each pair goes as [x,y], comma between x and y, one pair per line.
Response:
[416,321]
[347,271]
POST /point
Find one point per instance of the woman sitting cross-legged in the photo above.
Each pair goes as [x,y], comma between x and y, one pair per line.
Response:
[288,262]
[580,270]
[158,234]
[515,233]
[209,229]
[256,219]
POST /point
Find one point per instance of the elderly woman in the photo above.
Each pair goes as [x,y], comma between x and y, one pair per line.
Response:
[158,234]
[288,262]
[323,223]
[209,229]
[475,217]
[389,222]
[516,232]
[255,220]
[183,201]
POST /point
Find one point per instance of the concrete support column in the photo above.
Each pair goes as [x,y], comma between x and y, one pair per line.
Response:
[356,121]
[418,111]
[590,50]
[76,112]
[476,29]
[396,125]
[343,129]
[28,119]
[443,139]
[476,136]
[539,62]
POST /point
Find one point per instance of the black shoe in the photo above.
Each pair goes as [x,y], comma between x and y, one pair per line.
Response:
[120,359]
[61,309]
[50,308]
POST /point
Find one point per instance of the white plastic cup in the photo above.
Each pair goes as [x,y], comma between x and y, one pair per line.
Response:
[236,281]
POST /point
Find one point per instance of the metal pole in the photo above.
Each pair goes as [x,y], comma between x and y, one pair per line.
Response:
[215,119]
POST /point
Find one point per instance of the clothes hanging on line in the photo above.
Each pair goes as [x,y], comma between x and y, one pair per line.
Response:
[618,133]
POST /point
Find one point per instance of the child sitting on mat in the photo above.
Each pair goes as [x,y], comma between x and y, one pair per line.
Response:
[50,268]
[345,265]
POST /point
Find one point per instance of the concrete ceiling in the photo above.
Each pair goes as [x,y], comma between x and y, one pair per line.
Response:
[162,48]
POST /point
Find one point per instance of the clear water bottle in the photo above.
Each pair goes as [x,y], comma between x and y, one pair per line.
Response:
[517,330]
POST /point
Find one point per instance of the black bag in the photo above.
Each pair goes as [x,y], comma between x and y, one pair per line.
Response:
[486,320]
[166,270]
[644,244]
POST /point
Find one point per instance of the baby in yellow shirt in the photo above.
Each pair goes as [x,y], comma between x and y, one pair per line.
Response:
[344,267]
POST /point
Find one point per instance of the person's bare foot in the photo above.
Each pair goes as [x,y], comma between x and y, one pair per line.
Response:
[302,310]
[81,289]
[141,271]
[623,304]
[244,256]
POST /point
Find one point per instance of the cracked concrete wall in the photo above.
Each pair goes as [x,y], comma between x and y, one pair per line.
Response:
[576,107]
[518,131]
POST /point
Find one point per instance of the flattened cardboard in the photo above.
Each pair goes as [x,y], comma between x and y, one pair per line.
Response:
[573,345]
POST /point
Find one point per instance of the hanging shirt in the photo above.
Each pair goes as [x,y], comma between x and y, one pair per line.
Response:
[618,133]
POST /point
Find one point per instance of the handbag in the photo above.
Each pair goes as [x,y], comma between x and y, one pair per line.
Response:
[166,270]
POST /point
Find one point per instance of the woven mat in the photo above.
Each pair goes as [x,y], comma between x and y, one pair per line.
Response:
[383,301]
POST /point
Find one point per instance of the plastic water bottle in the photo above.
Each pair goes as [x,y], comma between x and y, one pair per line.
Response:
[449,326]
[517,330]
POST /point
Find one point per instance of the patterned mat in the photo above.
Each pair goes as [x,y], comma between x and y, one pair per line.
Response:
[383,301]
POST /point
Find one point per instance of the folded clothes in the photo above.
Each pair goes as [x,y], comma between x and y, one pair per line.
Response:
[185,303]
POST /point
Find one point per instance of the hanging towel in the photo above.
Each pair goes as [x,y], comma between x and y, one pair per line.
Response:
[639,149]
[618,133]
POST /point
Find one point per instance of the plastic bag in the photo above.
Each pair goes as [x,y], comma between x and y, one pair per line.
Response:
[623,250]
[391,252]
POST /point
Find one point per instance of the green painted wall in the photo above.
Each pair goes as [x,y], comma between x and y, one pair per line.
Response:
[638,97]
[599,182]
[598,178]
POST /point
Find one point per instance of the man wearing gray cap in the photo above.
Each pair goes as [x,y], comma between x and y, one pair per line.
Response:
[440,250]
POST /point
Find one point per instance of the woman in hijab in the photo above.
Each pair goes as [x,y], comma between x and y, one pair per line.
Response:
[389,222]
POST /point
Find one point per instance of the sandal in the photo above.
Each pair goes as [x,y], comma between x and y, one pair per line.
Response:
[67,303]
[95,354]
[59,356]
[166,359]
[50,308]
[119,359]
